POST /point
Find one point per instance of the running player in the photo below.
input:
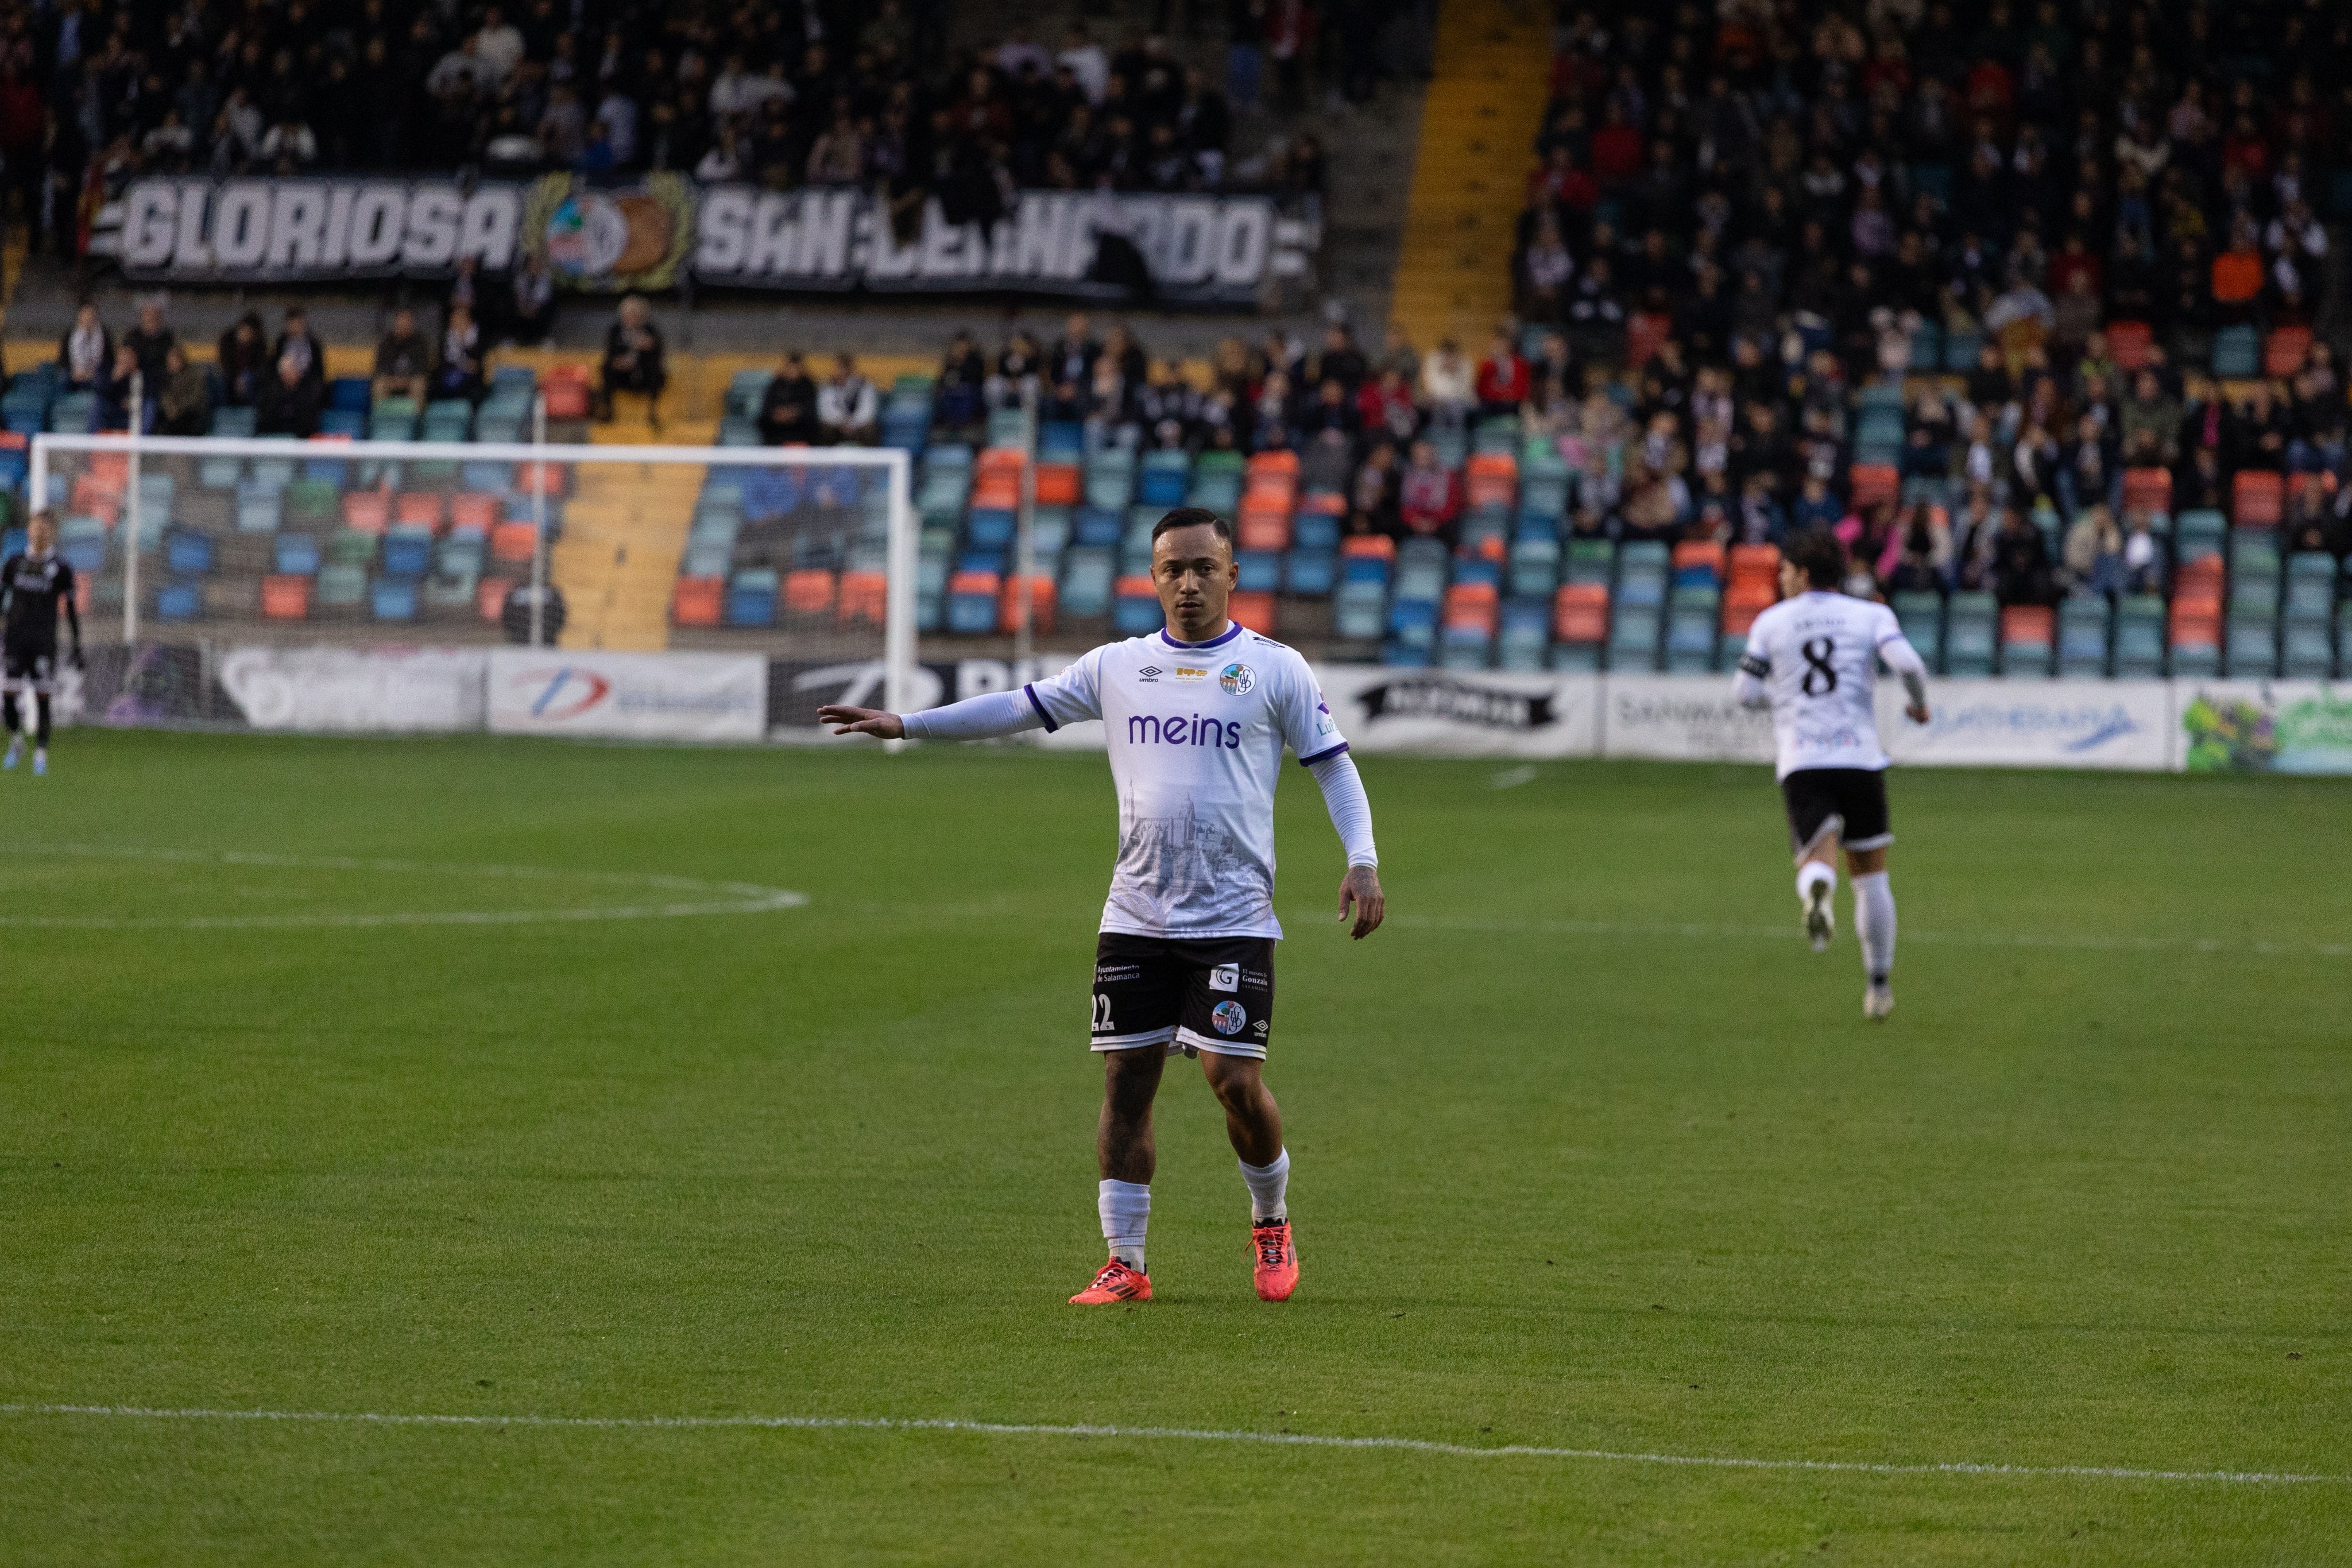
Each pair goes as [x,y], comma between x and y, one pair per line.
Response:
[1813,659]
[33,584]
[1196,718]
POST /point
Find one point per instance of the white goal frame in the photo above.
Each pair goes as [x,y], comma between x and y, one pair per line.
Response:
[898,599]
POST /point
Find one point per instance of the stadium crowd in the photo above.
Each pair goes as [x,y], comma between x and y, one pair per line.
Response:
[803,92]
[2078,213]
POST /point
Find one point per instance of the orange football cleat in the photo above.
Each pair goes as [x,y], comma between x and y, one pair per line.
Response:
[1116,1282]
[1277,1271]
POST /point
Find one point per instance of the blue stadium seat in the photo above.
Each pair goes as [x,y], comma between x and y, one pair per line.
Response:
[179,602]
[394,599]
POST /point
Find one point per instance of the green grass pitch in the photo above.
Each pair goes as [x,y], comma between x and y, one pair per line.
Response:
[1590,1154]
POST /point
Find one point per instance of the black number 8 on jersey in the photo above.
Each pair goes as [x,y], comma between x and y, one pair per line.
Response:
[1821,677]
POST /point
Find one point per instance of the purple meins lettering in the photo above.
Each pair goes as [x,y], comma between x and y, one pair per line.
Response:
[1146,729]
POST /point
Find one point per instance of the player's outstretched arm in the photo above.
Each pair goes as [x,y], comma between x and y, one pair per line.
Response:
[871,721]
[1351,816]
[975,718]
[1901,658]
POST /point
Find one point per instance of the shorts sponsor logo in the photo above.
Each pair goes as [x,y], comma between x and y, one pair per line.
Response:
[1237,679]
[1108,972]
[1253,980]
[1258,1028]
[1229,1017]
[1189,673]
[1226,977]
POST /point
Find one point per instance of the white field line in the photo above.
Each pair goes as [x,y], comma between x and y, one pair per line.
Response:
[2088,941]
[1178,1433]
[715,897]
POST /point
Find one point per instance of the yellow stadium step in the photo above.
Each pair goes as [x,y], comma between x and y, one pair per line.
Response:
[625,528]
[1477,128]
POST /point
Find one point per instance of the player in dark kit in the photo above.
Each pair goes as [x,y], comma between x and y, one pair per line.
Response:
[33,584]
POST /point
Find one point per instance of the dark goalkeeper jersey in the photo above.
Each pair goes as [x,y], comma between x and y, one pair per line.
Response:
[32,591]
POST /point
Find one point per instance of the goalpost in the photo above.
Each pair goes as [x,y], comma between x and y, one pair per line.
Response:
[803,553]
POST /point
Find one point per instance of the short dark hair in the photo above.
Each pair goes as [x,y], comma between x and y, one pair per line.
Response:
[1193,518]
[1819,555]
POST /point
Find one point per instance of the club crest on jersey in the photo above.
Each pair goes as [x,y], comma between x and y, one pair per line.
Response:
[1237,679]
[1229,1017]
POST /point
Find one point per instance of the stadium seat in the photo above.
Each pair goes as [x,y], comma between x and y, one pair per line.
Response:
[1255,611]
[394,599]
[1869,484]
[809,592]
[751,597]
[1042,602]
[2128,344]
[2257,498]
[179,602]
[1135,607]
[2139,636]
[2284,352]
[1086,578]
[2147,489]
[2026,639]
[2236,354]
[513,542]
[1969,629]
[407,552]
[286,597]
[2083,621]
[296,555]
[1921,616]
[864,598]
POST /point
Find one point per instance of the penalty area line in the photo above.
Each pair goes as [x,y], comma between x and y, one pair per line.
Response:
[1182,1433]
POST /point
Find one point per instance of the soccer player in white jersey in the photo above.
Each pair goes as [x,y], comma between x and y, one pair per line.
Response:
[1813,659]
[1196,718]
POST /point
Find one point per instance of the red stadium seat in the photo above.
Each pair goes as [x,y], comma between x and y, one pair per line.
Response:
[698,600]
[2257,498]
[2128,344]
[2147,489]
[419,509]
[1380,547]
[2284,352]
[513,541]
[490,596]
[474,510]
[286,598]
[864,596]
[1472,605]
[1580,612]
[1868,484]
[1041,604]
[1255,611]
[808,591]
[367,511]
[1058,484]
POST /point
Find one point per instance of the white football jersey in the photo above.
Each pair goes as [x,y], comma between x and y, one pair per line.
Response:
[1817,655]
[1196,732]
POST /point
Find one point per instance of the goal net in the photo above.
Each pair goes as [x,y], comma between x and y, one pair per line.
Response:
[804,555]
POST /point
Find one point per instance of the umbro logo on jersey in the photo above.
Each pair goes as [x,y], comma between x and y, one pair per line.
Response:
[1149,672]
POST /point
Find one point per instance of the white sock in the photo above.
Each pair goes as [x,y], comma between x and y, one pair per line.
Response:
[1267,1184]
[1126,1209]
[1810,873]
[1874,922]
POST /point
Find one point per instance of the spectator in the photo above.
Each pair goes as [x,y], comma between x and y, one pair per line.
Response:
[788,409]
[1428,499]
[1447,383]
[458,368]
[634,360]
[115,406]
[404,360]
[185,407]
[152,342]
[290,400]
[2023,572]
[848,407]
[86,353]
[961,392]
[2094,553]
[298,343]
[242,359]
[2143,558]
[533,315]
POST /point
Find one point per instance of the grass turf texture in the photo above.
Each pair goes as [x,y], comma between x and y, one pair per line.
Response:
[1659,1193]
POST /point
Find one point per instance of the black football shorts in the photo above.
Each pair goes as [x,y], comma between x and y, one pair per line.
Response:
[29,664]
[1848,801]
[1215,996]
